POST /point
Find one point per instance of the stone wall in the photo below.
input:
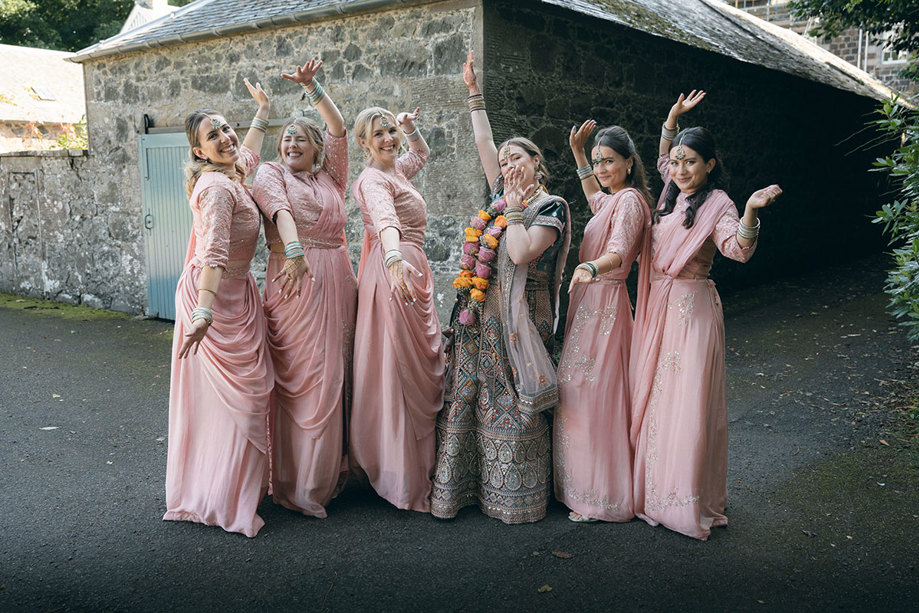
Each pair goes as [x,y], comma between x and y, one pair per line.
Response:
[550,69]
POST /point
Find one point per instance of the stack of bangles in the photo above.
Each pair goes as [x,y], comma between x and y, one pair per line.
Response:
[202,313]
[589,267]
[391,257]
[259,123]
[669,133]
[585,172]
[413,135]
[476,102]
[316,95]
[748,232]
[513,215]
[294,249]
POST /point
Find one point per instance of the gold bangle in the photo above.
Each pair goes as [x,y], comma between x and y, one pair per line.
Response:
[204,289]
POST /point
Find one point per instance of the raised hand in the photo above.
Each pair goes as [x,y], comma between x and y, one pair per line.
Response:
[579,136]
[407,120]
[469,76]
[764,197]
[686,103]
[304,74]
[257,93]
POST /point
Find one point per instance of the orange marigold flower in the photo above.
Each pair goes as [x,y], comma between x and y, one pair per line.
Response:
[480,283]
[472,231]
[490,241]
[461,282]
[477,295]
[466,273]
[484,215]
[501,221]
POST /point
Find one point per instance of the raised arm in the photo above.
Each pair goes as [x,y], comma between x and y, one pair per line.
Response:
[578,140]
[481,128]
[672,126]
[415,140]
[256,133]
[305,76]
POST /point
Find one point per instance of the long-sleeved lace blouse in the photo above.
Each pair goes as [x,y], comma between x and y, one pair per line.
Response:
[305,194]
[225,218]
[723,238]
[391,200]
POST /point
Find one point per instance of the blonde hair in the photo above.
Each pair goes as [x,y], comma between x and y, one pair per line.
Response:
[363,125]
[195,166]
[313,133]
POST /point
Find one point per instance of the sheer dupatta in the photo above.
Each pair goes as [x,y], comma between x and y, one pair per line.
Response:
[531,365]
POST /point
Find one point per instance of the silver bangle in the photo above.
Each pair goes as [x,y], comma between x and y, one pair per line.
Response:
[669,133]
[413,135]
[745,231]
[391,257]
[585,171]
[202,313]
[259,123]
[590,267]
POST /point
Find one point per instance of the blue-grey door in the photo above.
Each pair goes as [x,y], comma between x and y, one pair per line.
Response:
[166,217]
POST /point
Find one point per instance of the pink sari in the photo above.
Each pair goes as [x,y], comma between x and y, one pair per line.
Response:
[310,339]
[679,409]
[593,459]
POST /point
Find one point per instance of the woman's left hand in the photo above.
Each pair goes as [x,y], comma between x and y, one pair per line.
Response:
[764,197]
[292,275]
[580,276]
[257,93]
[399,273]
[304,74]
[514,190]
[407,121]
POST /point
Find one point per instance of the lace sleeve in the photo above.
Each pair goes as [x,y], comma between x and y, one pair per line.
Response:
[378,195]
[216,206]
[248,158]
[725,237]
[628,222]
[269,191]
[335,159]
[411,162]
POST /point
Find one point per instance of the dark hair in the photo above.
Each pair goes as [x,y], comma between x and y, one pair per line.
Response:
[617,139]
[702,142]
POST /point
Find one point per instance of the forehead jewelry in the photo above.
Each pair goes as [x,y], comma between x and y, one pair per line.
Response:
[291,129]
[679,153]
[216,123]
[505,153]
[384,121]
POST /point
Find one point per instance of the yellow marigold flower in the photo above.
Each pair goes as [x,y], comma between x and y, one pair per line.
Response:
[461,282]
[484,215]
[472,231]
[490,241]
[477,295]
[480,283]
[501,221]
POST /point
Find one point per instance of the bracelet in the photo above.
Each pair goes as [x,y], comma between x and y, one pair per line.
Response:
[669,133]
[589,267]
[259,123]
[413,135]
[391,257]
[202,313]
[513,215]
[750,232]
[316,95]
[294,249]
[476,102]
[204,289]
[585,171]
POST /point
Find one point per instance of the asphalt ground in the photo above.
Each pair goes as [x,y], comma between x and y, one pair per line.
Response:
[823,487]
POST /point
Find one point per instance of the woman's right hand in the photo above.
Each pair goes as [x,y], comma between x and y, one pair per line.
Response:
[303,75]
[293,272]
[579,136]
[469,76]
[686,103]
[198,331]
[580,276]
[400,285]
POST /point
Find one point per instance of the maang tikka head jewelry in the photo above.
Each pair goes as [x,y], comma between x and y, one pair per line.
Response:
[679,153]
[291,129]
[216,122]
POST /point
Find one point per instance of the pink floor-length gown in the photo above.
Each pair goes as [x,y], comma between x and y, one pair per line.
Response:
[310,337]
[398,357]
[593,459]
[217,467]
[679,420]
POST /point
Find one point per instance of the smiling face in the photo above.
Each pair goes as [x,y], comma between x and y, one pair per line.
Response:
[610,168]
[382,142]
[688,169]
[217,142]
[297,149]
[513,156]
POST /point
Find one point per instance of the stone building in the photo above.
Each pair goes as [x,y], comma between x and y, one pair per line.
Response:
[780,109]
[41,97]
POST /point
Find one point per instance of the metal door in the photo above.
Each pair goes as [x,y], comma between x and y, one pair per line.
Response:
[167,218]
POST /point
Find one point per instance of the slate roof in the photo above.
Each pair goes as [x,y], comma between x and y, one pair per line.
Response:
[25,70]
[707,24]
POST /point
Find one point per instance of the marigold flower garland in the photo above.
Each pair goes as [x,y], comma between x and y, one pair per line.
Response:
[477,261]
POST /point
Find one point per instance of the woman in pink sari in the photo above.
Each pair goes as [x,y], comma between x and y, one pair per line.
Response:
[398,371]
[217,467]
[311,318]
[593,459]
[679,410]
